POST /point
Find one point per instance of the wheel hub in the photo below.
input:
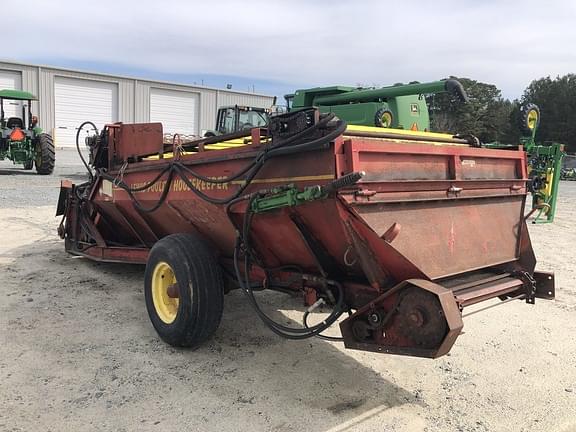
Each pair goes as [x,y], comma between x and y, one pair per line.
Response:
[165,292]
[421,318]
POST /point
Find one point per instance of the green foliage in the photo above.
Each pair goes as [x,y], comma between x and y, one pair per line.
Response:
[556,99]
[487,116]
[492,118]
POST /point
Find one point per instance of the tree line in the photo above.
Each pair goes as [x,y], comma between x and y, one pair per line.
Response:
[491,117]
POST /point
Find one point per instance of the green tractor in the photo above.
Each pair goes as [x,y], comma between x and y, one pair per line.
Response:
[22,140]
[235,118]
[544,165]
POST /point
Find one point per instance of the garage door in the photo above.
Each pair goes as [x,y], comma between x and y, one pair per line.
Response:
[177,111]
[79,100]
[12,81]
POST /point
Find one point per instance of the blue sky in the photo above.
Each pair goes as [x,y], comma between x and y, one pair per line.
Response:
[278,46]
[263,86]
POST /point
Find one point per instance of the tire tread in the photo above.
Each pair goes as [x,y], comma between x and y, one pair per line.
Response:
[206,290]
[47,154]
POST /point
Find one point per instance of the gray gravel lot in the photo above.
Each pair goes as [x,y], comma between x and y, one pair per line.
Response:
[20,188]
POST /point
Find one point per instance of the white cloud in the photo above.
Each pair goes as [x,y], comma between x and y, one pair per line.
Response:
[507,43]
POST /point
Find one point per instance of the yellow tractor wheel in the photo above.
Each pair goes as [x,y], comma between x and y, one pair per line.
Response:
[165,293]
[530,118]
[383,118]
[184,290]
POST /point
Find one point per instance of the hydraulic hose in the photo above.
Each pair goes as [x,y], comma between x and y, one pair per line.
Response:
[121,184]
[320,336]
[281,151]
[78,146]
[266,153]
[250,171]
[279,329]
[246,287]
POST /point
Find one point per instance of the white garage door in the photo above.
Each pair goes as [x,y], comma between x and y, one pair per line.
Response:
[79,100]
[11,80]
[177,111]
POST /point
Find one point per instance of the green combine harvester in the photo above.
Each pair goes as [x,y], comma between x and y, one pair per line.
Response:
[401,106]
[22,141]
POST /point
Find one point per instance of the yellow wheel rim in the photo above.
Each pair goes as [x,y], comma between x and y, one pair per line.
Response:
[386,119]
[166,306]
[532,119]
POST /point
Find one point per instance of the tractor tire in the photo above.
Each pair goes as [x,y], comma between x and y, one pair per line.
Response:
[28,165]
[529,118]
[383,118]
[184,290]
[45,155]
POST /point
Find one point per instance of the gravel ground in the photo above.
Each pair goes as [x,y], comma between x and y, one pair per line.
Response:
[78,352]
[20,189]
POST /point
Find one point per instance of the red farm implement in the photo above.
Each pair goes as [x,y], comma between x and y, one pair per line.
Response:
[400,230]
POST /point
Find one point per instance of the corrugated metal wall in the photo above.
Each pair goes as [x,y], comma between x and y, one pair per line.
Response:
[133,94]
[230,98]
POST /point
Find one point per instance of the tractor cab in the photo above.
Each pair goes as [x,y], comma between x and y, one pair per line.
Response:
[236,118]
[22,122]
[21,140]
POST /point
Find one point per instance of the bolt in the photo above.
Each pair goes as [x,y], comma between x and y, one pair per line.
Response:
[374,318]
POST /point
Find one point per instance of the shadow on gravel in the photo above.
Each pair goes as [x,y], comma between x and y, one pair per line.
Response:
[17,171]
[99,308]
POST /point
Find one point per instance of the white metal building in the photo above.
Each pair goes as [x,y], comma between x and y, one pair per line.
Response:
[68,97]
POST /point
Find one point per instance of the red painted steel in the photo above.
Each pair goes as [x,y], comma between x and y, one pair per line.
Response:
[423,214]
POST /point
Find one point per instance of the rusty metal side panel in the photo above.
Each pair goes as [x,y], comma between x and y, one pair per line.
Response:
[138,139]
[448,237]
[482,168]
[385,167]
[391,161]
[184,211]
[458,208]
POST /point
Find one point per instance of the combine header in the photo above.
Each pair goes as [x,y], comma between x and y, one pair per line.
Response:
[401,106]
[399,230]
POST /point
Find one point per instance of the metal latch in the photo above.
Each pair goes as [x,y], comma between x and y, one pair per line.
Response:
[365,192]
[454,190]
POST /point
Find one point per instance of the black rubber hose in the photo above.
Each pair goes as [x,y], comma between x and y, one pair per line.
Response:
[288,332]
[243,134]
[281,151]
[320,336]
[78,146]
[216,139]
[153,181]
[226,200]
[322,122]
[276,327]
[251,170]
[135,201]
[219,181]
